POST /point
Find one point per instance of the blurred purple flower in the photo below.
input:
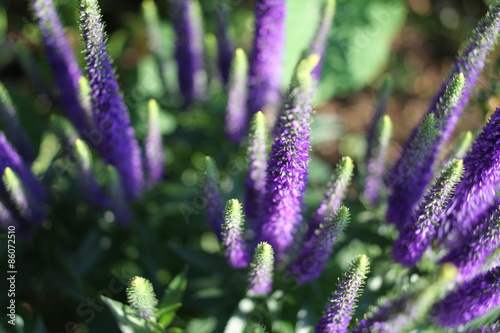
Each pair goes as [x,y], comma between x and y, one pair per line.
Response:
[236,115]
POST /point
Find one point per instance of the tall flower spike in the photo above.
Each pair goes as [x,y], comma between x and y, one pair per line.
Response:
[261,270]
[334,195]
[118,203]
[376,164]
[469,300]
[26,205]
[154,37]
[484,240]
[187,22]
[342,304]
[413,171]
[236,116]
[380,109]
[235,247]
[288,163]
[10,158]
[141,296]
[117,145]
[406,181]
[92,192]
[153,146]
[479,186]
[13,129]
[213,198]
[224,41]
[320,39]
[422,227]
[266,60]
[470,62]
[63,64]
[255,185]
[318,248]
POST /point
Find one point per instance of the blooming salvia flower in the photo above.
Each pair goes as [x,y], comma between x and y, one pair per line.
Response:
[406,181]
[341,306]
[376,165]
[154,37]
[10,158]
[92,192]
[142,298]
[153,146]
[266,59]
[63,63]
[255,185]
[334,195]
[413,171]
[317,249]
[320,39]
[118,145]
[26,205]
[187,22]
[213,198]
[224,41]
[422,227]
[261,270]
[236,116]
[469,300]
[287,167]
[484,240]
[479,186]
[235,247]
[13,129]
[118,203]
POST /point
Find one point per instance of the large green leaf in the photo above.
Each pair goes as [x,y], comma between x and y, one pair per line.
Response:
[359,42]
[171,299]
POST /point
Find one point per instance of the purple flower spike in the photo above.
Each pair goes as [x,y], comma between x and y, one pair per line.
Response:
[333,197]
[320,40]
[13,129]
[469,300]
[255,185]
[117,144]
[478,188]
[232,235]
[470,62]
[153,146]
[288,162]
[261,270]
[474,252]
[423,225]
[10,158]
[92,192]
[23,200]
[376,163]
[63,64]
[236,117]
[380,109]
[342,304]
[317,250]
[224,41]
[266,60]
[118,203]
[213,198]
[187,22]
[413,171]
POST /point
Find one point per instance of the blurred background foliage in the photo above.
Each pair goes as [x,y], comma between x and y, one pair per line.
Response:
[78,254]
